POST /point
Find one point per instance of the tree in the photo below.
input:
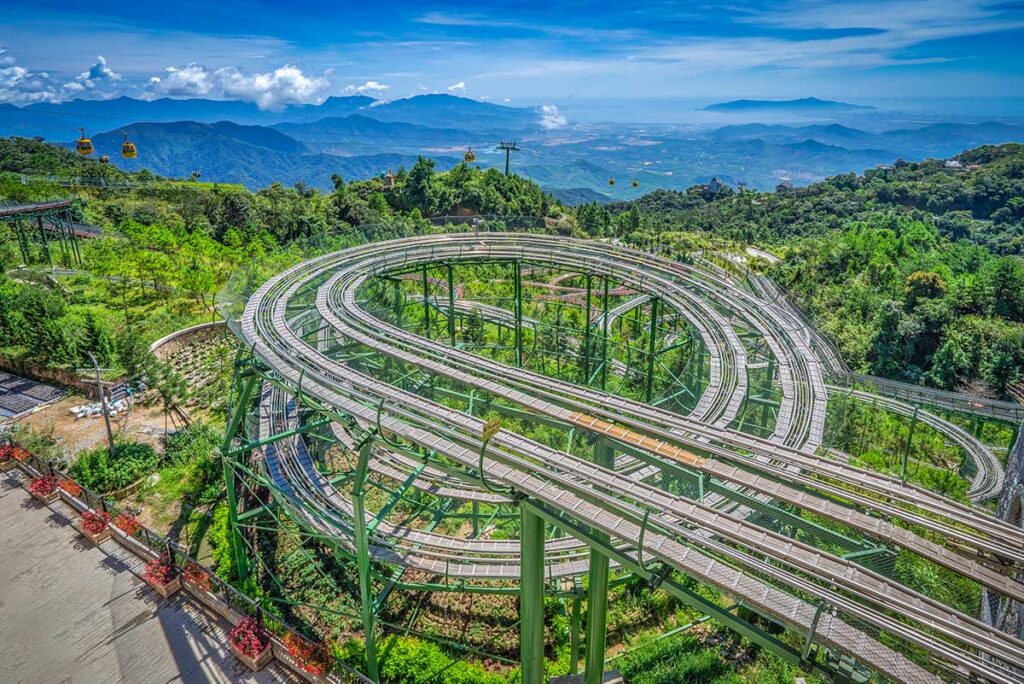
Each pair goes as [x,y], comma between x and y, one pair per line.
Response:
[97,340]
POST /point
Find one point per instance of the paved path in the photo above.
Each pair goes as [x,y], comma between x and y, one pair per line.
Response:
[71,612]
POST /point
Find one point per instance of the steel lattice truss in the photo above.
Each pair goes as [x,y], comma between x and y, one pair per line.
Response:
[669,483]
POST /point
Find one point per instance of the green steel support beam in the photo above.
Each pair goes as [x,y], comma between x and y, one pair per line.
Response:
[249,446]
[46,243]
[363,562]
[574,636]
[765,407]
[517,279]
[531,597]
[597,591]
[586,332]
[426,304]
[906,447]
[241,406]
[604,336]
[651,347]
[451,307]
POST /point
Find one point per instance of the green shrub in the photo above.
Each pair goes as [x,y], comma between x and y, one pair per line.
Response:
[96,470]
[407,660]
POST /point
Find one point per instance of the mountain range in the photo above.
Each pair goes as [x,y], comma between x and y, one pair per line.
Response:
[806,105]
[358,137]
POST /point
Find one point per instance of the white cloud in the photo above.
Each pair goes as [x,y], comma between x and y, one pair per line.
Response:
[551,118]
[459,87]
[19,85]
[272,90]
[368,88]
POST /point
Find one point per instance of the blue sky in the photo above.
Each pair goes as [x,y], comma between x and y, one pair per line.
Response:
[275,53]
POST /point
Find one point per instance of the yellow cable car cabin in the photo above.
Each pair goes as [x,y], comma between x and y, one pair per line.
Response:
[636,183]
[470,156]
[128,149]
[84,145]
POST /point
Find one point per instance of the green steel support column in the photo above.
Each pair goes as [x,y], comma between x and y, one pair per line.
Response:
[426,305]
[363,561]
[22,241]
[46,243]
[399,302]
[766,408]
[517,279]
[574,637]
[809,639]
[238,412]
[451,308]
[604,333]
[597,591]
[906,448]
[476,519]
[650,350]
[531,597]
[586,332]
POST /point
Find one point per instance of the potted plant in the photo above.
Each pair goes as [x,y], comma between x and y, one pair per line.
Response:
[7,460]
[44,488]
[95,526]
[71,487]
[196,577]
[163,575]
[126,523]
[250,642]
[311,657]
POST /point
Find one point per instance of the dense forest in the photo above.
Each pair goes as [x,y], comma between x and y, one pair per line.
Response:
[915,270]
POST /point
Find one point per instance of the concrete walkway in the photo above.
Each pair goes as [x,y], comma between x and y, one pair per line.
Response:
[72,612]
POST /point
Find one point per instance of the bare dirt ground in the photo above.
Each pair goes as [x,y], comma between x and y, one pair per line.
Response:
[139,423]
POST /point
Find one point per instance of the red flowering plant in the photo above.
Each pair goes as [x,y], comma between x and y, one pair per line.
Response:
[250,637]
[95,522]
[43,485]
[21,454]
[161,570]
[311,657]
[6,453]
[71,487]
[196,575]
[127,523]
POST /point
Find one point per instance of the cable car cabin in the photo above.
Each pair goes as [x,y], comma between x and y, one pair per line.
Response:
[470,156]
[611,182]
[128,149]
[84,145]
[104,159]
[636,183]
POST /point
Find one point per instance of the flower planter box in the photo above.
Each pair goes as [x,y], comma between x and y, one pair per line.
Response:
[48,498]
[166,590]
[212,601]
[96,539]
[255,664]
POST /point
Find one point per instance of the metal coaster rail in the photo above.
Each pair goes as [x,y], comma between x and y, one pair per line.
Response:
[617,515]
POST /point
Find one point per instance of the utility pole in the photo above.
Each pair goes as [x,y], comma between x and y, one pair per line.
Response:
[507,148]
[103,403]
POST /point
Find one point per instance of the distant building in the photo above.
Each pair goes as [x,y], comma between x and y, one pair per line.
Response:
[953,164]
[389,180]
[784,186]
[973,167]
[901,162]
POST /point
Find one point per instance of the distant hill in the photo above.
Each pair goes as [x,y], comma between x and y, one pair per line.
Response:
[454,112]
[803,105]
[254,156]
[576,196]
[936,140]
[350,134]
